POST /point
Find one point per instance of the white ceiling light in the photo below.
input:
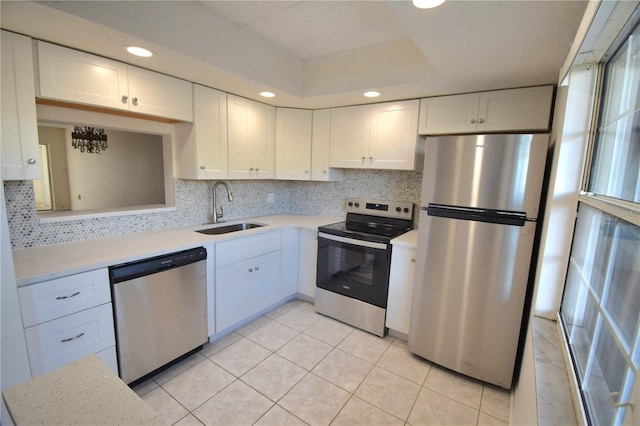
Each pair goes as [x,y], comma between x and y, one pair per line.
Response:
[427,4]
[267,94]
[372,94]
[139,51]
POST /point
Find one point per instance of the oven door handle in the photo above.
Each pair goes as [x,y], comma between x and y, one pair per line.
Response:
[351,241]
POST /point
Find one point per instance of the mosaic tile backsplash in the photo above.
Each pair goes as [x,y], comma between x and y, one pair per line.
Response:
[193,205]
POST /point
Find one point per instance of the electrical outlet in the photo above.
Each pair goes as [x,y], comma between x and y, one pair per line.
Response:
[271,197]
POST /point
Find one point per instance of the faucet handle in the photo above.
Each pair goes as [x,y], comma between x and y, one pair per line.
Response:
[221,212]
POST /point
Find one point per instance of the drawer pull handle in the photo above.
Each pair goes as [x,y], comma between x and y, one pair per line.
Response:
[69,339]
[68,297]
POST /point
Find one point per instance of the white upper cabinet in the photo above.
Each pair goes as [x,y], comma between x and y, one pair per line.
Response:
[73,76]
[377,136]
[252,136]
[20,152]
[160,95]
[527,109]
[293,143]
[320,143]
[201,151]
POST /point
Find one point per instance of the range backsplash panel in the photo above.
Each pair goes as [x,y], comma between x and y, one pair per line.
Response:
[193,205]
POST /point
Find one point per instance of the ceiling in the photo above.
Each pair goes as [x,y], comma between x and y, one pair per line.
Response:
[317,54]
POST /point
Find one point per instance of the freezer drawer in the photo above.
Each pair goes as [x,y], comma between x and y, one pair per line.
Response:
[469,293]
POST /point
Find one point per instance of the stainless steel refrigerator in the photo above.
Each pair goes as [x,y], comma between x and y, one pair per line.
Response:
[480,201]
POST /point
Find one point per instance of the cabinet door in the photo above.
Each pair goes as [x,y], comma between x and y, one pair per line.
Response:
[449,114]
[394,135]
[233,293]
[160,95]
[69,75]
[293,144]
[349,143]
[264,273]
[210,133]
[527,109]
[239,136]
[320,141]
[307,262]
[262,127]
[289,262]
[400,288]
[58,342]
[251,131]
[20,152]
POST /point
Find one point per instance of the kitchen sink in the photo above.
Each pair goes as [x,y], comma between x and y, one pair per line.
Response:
[225,229]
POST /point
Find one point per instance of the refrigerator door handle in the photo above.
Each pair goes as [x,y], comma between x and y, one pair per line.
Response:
[501,217]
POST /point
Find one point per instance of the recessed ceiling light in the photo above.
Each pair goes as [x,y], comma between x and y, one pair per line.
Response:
[427,4]
[372,94]
[139,51]
[267,94]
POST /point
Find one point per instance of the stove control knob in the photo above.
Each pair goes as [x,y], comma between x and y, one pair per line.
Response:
[350,204]
[398,209]
[406,209]
[357,205]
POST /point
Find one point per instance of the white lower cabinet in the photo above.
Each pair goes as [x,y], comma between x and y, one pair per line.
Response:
[400,288]
[68,318]
[58,342]
[289,262]
[247,277]
[307,262]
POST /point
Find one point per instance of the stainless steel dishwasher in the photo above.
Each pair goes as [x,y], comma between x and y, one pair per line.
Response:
[160,310]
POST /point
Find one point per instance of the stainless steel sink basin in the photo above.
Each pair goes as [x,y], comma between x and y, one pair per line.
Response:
[225,229]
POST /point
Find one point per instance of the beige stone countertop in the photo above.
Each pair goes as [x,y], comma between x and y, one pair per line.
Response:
[42,263]
[408,239]
[84,392]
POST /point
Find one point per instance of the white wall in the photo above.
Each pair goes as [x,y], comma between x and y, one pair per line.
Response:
[128,173]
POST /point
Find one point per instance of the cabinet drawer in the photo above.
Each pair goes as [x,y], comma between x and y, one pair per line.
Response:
[240,249]
[55,343]
[63,296]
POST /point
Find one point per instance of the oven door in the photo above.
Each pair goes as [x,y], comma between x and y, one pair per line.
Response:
[354,268]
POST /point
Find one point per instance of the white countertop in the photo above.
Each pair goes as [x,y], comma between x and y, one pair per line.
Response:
[36,264]
[408,239]
[84,392]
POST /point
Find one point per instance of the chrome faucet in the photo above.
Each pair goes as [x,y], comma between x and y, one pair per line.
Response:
[217,216]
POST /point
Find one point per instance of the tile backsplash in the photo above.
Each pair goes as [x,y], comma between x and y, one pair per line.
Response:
[193,205]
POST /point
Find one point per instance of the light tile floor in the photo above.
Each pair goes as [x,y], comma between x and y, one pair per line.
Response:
[293,366]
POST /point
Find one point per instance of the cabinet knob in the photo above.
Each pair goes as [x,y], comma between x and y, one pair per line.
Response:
[257,268]
[134,101]
[250,270]
[473,121]
[363,158]
[413,260]
[306,172]
[31,161]
[257,169]
[324,171]
[251,169]
[124,99]
[201,167]
[481,120]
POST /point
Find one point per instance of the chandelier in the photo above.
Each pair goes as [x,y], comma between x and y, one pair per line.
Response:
[89,139]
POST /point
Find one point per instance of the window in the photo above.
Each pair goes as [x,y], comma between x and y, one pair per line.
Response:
[601,303]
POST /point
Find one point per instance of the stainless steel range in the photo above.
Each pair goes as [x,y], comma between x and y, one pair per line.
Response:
[354,259]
